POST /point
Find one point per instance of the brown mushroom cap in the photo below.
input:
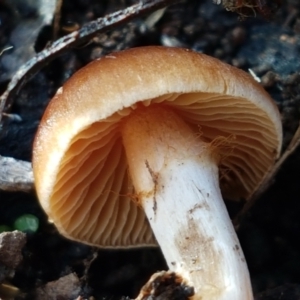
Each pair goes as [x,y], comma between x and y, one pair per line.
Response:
[79,161]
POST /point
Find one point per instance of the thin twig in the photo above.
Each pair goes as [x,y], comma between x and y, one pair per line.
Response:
[269,178]
[84,34]
[16,175]
[5,49]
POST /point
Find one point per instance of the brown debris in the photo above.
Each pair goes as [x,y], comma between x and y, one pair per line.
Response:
[65,288]
[11,244]
[166,285]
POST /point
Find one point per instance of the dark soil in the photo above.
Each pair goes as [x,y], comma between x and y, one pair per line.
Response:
[270,231]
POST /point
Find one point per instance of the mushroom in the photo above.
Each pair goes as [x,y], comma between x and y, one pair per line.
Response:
[136,148]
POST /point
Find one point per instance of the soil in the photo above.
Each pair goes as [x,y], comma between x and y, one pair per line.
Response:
[269,233]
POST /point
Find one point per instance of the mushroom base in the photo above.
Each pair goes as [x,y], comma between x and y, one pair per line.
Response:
[175,176]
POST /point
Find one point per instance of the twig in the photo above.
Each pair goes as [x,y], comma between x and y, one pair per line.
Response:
[269,179]
[84,34]
[5,49]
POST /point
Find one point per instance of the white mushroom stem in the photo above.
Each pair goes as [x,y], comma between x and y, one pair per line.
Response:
[175,176]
